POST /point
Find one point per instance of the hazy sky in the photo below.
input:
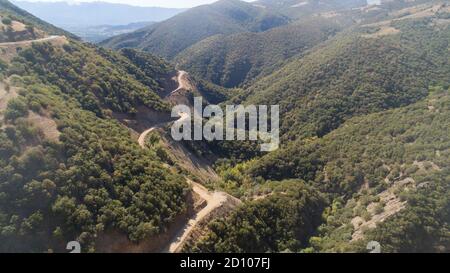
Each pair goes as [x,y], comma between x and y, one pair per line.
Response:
[151,3]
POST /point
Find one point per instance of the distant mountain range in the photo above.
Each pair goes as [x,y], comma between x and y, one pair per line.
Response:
[211,39]
[97,21]
[99,33]
[63,14]
[225,17]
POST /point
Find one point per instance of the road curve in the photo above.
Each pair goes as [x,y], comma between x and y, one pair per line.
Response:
[213,199]
[144,135]
[53,37]
[182,82]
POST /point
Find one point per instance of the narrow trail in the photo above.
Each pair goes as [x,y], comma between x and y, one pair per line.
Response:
[214,200]
[53,37]
[144,135]
[183,83]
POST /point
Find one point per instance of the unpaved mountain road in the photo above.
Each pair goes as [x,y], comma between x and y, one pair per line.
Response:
[27,42]
[183,83]
[144,134]
[214,200]
[10,49]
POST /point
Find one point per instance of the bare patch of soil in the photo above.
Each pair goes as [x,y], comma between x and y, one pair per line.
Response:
[389,205]
[46,125]
[384,31]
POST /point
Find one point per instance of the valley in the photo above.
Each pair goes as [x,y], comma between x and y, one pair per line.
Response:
[214,200]
[86,151]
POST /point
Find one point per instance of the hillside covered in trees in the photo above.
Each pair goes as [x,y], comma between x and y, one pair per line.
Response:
[237,59]
[242,59]
[356,74]
[225,17]
[389,169]
[172,36]
[364,121]
[68,170]
[364,98]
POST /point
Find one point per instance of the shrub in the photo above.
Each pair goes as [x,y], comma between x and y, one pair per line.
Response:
[16,108]
[6,21]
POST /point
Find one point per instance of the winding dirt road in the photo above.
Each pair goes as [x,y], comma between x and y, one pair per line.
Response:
[214,200]
[9,49]
[27,42]
[144,134]
[183,83]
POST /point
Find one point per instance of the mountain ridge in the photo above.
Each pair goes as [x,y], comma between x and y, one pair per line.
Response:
[170,37]
[66,15]
[86,152]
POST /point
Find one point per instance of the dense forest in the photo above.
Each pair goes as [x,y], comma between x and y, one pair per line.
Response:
[387,170]
[225,17]
[362,169]
[94,178]
[94,81]
[68,170]
[172,36]
[281,222]
[237,59]
[364,95]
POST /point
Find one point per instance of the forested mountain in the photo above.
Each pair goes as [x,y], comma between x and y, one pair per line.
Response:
[384,175]
[241,59]
[232,42]
[389,169]
[172,36]
[68,170]
[86,152]
[367,69]
[224,17]
[237,59]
